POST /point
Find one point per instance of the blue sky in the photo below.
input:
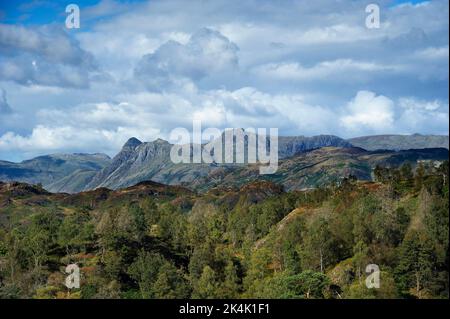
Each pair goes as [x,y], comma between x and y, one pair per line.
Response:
[37,12]
[143,68]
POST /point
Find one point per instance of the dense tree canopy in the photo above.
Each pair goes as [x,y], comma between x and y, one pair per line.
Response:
[254,242]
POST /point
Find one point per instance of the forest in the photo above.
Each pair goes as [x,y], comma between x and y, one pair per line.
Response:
[256,241]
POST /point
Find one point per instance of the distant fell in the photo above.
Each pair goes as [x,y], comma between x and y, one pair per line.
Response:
[400,142]
[56,172]
[304,162]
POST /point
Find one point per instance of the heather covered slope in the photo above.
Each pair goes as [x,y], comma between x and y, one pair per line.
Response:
[320,167]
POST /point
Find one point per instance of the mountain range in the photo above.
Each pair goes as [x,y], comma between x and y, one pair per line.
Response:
[400,142]
[56,172]
[304,162]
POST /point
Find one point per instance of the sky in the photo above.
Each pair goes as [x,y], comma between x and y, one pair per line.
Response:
[143,68]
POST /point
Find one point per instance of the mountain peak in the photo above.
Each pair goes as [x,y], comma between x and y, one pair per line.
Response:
[132,143]
[160,141]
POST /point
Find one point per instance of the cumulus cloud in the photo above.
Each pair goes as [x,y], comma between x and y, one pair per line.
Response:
[45,56]
[304,67]
[49,42]
[48,139]
[369,112]
[105,126]
[31,71]
[420,121]
[77,130]
[206,53]
[417,115]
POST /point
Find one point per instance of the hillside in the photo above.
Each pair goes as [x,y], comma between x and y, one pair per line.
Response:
[400,142]
[258,240]
[150,161]
[136,162]
[139,161]
[304,162]
[57,172]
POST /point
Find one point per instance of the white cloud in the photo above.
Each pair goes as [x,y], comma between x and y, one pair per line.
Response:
[418,115]
[43,55]
[48,42]
[368,112]
[25,71]
[305,67]
[47,139]
[206,53]
[420,120]
[337,68]
[433,53]
[415,104]
[104,127]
